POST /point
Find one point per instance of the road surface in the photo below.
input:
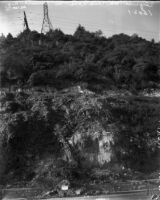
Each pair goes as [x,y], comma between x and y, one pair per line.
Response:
[130,196]
[109,197]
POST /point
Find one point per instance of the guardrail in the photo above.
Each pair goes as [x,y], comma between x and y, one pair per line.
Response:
[20,192]
[137,185]
[149,187]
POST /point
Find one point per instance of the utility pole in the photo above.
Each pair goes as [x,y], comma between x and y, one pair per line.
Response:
[26,27]
[46,25]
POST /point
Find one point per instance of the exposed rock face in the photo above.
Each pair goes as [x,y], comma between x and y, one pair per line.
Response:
[95,145]
[105,152]
[95,130]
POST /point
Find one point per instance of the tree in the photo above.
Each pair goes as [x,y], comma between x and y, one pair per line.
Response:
[9,37]
[98,33]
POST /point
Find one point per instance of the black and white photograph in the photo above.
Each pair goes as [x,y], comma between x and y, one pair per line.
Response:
[79,100]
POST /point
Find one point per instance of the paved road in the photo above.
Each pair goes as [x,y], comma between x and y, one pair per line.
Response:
[131,196]
[110,197]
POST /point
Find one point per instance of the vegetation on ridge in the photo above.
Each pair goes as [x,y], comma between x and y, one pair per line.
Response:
[60,60]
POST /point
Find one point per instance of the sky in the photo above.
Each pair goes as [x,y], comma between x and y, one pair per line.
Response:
[112,17]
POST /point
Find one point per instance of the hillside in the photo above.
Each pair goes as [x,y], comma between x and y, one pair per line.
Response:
[59,60]
[75,104]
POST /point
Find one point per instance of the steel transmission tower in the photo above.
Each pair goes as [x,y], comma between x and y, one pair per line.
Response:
[26,27]
[46,26]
